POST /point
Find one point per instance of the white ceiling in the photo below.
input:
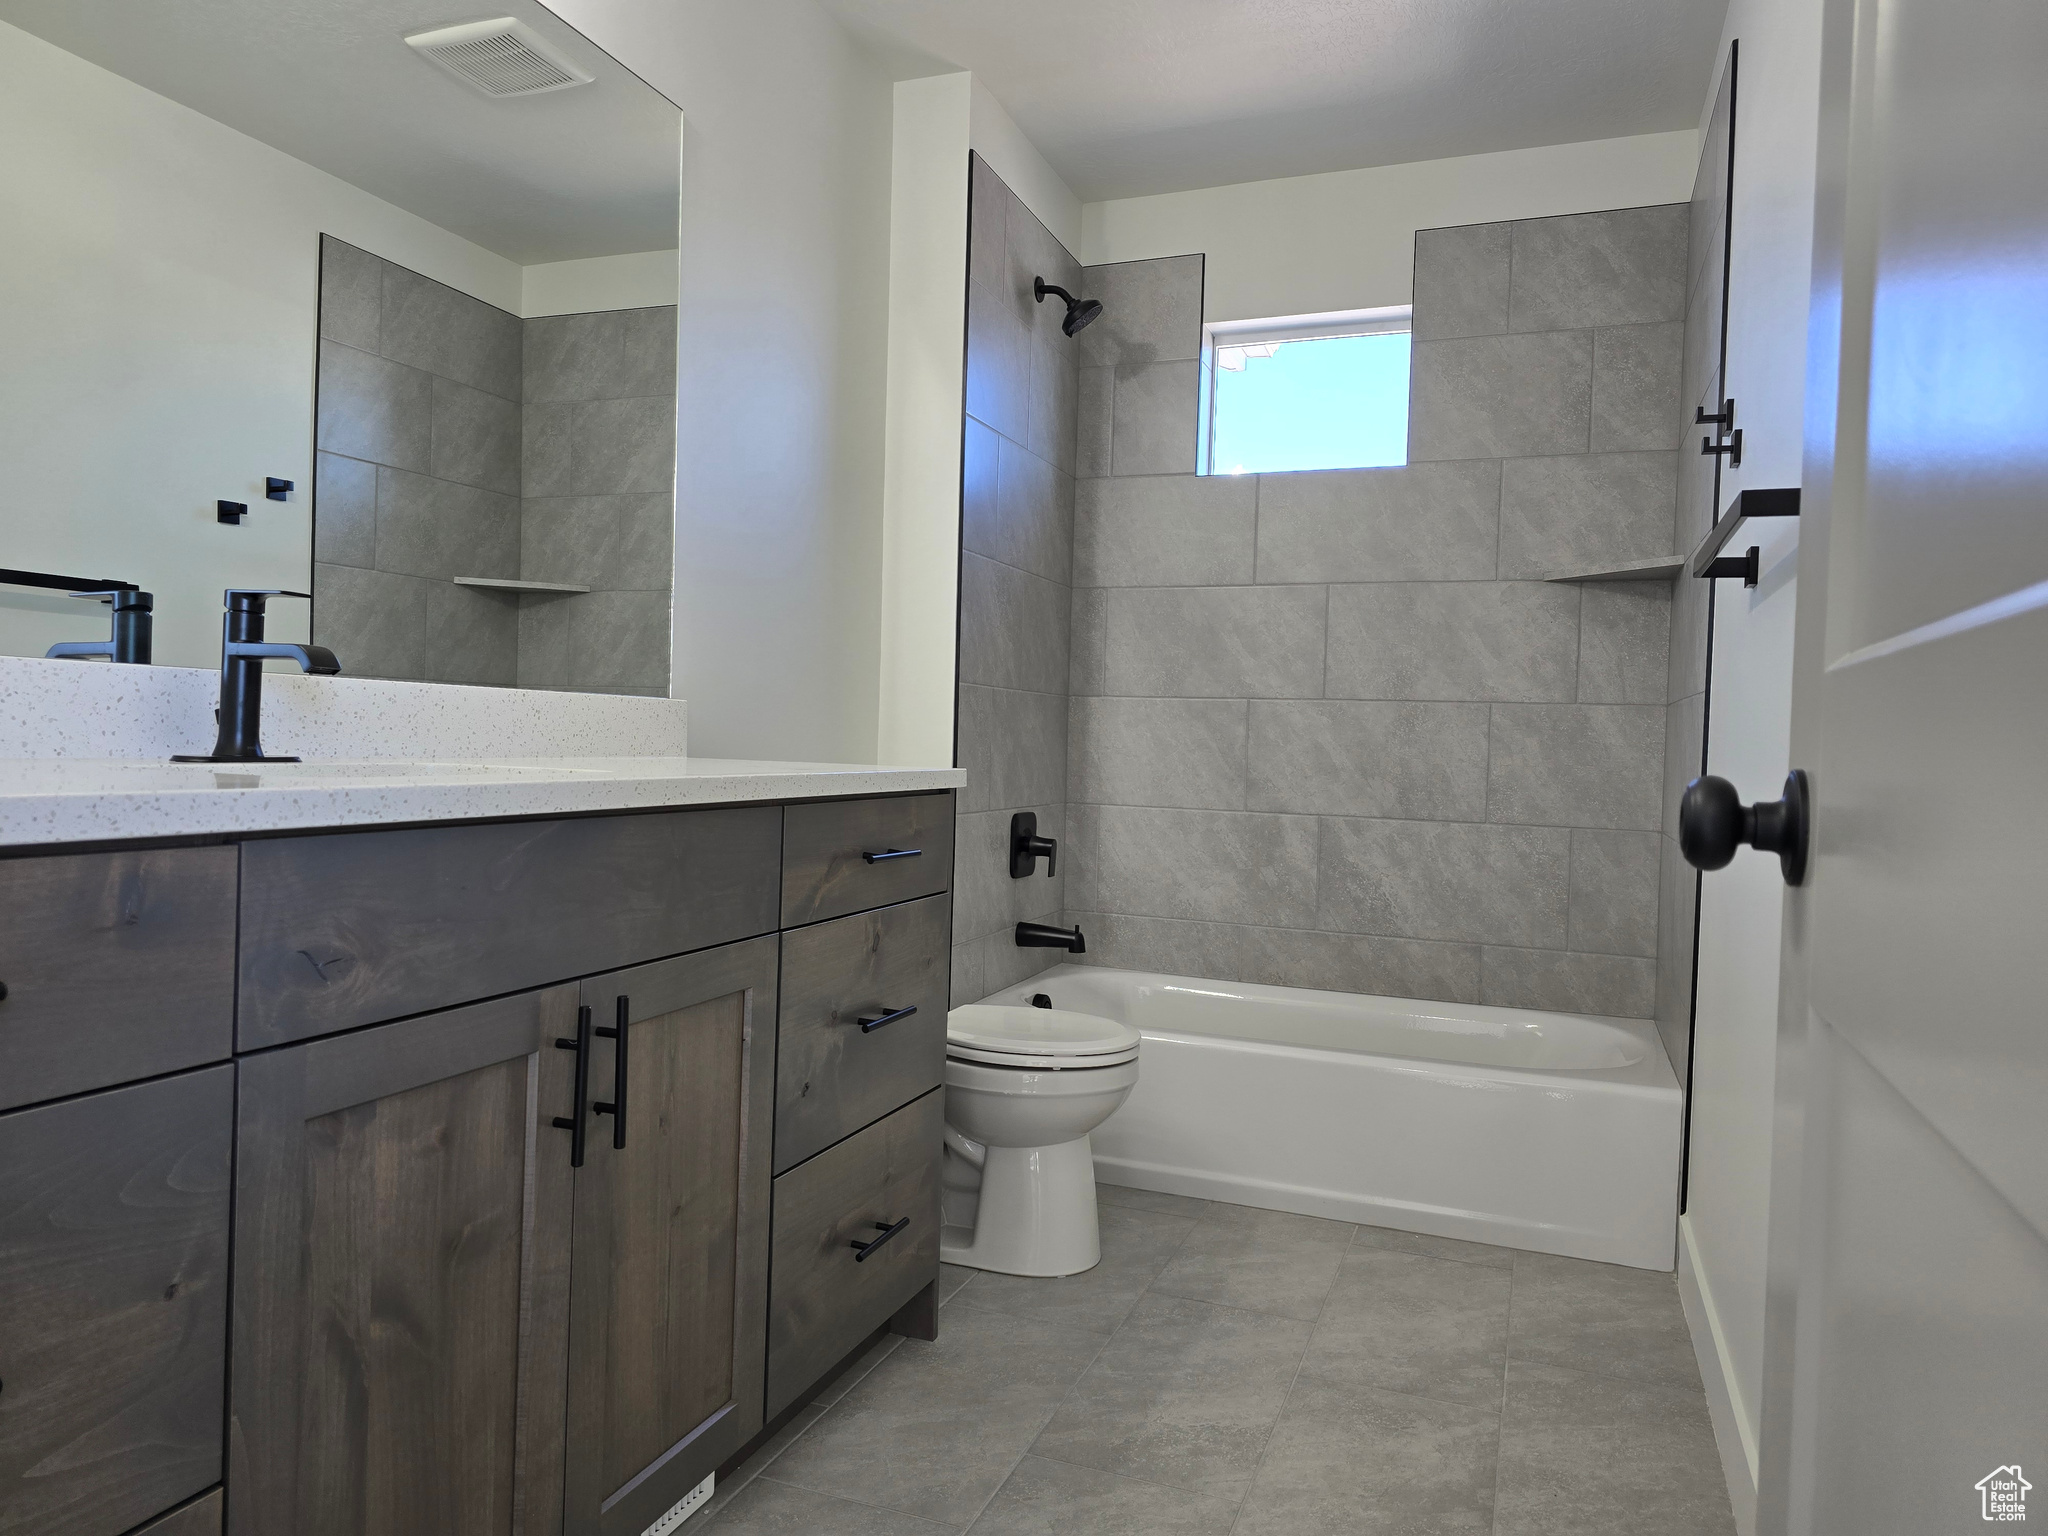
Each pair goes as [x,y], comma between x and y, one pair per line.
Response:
[1129,97]
[586,172]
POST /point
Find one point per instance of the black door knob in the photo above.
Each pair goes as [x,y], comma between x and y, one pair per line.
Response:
[1713,822]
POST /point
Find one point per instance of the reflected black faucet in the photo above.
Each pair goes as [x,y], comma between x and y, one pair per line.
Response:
[1045,936]
[242,654]
[133,623]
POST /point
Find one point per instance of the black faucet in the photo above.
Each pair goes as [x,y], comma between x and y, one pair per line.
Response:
[1045,936]
[242,653]
[133,625]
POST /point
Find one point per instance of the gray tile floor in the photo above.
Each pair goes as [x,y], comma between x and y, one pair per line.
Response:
[1228,1370]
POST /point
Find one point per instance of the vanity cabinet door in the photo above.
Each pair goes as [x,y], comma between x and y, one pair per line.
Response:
[401,1278]
[113,1304]
[670,1270]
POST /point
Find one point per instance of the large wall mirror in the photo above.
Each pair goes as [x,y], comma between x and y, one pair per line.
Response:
[428,280]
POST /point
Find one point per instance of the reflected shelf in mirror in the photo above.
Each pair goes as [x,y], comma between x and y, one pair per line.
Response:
[507,584]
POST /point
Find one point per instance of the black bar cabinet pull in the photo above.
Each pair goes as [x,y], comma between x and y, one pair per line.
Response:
[861,1250]
[576,1122]
[873,1022]
[617,1107]
[893,853]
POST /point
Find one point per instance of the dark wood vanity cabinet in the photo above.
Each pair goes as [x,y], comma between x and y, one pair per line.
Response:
[443,1321]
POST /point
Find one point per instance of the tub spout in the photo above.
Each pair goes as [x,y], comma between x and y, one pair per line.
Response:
[1045,936]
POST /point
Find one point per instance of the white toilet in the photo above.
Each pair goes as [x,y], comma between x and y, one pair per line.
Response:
[1024,1087]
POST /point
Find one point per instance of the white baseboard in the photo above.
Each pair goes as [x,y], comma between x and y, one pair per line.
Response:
[1717,1373]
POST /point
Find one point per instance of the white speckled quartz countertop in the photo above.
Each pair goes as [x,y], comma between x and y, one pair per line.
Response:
[47,801]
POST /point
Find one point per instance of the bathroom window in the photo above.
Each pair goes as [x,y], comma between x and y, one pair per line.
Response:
[1317,392]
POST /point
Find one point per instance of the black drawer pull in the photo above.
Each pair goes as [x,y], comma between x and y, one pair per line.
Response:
[576,1123]
[875,1021]
[617,1108]
[862,1250]
[894,853]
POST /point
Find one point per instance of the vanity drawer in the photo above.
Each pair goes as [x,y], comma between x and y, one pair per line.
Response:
[826,846]
[117,966]
[831,1078]
[824,1299]
[360,927]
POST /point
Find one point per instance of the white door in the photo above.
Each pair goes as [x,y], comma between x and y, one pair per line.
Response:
[1919,1356]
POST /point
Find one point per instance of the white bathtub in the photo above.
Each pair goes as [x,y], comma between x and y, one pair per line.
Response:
[1548,1131]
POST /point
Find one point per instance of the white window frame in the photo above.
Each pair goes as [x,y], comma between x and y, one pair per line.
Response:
[1223,333]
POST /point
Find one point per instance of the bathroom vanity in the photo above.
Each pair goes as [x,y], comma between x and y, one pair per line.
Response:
[483,1174]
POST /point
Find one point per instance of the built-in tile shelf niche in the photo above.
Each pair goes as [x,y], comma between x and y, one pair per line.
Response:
[507,584]
[1655,568]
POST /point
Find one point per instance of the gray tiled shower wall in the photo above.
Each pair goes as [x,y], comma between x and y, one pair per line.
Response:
[458,440]
[1328,729]
[1017,519]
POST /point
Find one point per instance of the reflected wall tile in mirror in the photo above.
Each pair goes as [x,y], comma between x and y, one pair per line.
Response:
[437,529]
[475,438]
[344,510]
[618,639]
[619,543]
[351,293]
[373,408]
[546,467]
[470,635]
[619,446]
[429,325]
[373,621]
[605,355]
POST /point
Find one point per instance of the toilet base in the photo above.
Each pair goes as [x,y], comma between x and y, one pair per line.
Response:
[1036,1214]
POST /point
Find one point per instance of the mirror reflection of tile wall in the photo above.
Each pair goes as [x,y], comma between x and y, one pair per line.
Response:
[457,440]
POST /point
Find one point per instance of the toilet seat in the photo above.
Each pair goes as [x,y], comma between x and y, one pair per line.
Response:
[1037,1039]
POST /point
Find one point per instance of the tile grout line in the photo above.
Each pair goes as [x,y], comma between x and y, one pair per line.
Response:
[1500,1418]
[1252,1482]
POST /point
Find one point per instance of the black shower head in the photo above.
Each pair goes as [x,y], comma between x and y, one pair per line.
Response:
[1080,312]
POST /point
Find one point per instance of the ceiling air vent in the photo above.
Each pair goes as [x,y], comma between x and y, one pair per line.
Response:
[503,57]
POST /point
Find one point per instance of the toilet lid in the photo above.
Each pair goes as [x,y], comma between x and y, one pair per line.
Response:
[980,1031]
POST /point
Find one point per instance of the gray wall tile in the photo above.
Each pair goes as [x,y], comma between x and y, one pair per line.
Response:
[1614,892]
[546,443]
[1687,673]
[372,408]
[546,634]
[1349,962]
[1092,417]
[1445,880]
[470,636]
[1490,397]
[1090,637]
[436,528]
[1678,887]
[1421,522]
[1461,281]
[1454,640]
[1635,388]
[619,639]
[1215,866]
[1151,312]
[607,355]
[1165,530]
[374,622]
[1055,393]
[1624,627]
[980,455]
[619,543]
[988,214]
[622,446]
[344,510]
[1577,765]
[986,899]
[1013,627]
[1332,758]
[1685,722]
[430,326]
[1176,946]
[1013,746]
[1565,513]
[351,294]
[1626,267]
[998,364]
[1215,642]
[967,973]
[1614,986]
[1032,251]
[1034,514]
[1160,752]
[1153,418]
[475,438]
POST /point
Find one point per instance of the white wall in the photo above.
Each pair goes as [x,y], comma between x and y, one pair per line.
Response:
[1735,1034]
[1345,239]
[784,325]
[640,280]
[921,482]
[994,135]
[162,295]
